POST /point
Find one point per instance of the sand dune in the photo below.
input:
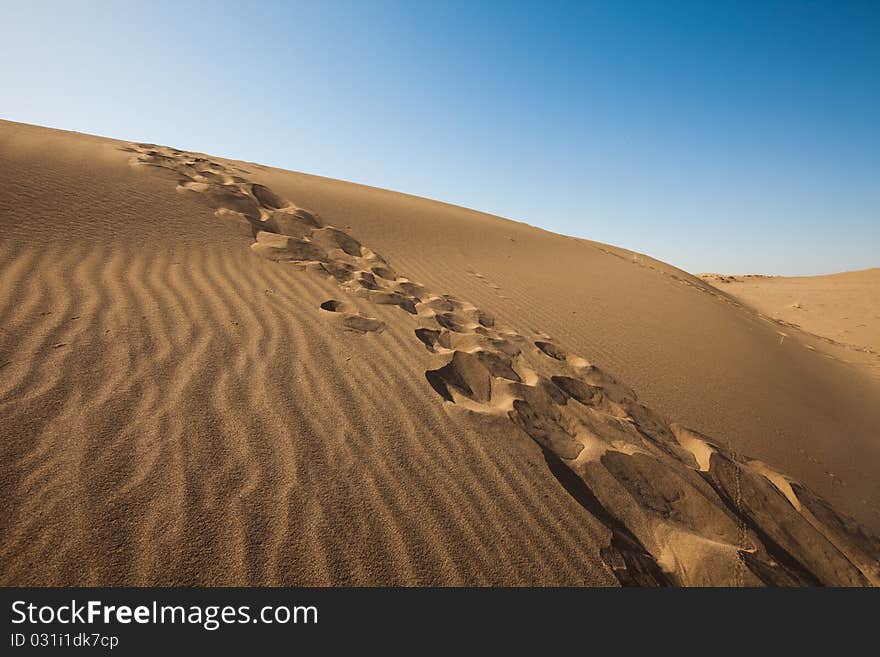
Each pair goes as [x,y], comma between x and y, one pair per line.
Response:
[212,372]
[843,309]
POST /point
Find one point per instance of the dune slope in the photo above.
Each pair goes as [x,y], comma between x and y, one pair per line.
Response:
[205,382]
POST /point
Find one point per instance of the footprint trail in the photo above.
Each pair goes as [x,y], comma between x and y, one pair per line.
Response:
[681,508]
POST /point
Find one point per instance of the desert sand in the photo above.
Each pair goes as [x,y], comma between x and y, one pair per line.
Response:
[215,372]
[843,309]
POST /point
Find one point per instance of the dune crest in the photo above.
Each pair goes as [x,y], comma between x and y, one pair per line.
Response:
[681,508]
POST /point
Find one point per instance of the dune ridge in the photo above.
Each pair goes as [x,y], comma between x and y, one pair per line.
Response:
[681,508]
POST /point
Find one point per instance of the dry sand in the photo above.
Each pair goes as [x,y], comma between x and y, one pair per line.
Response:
[213,372]
[843,309]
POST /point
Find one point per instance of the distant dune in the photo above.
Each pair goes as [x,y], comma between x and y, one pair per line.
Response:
[214,372]
[842,308]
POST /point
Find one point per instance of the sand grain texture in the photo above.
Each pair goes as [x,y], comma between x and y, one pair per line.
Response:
[213,372]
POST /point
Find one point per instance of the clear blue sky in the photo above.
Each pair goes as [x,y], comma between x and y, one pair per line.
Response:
[719,137]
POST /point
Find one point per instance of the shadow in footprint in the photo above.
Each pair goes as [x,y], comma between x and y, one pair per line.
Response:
[551,350]
[625,555]
[352,320]
[332,305]
[428,337]
[465,373]
[267,198]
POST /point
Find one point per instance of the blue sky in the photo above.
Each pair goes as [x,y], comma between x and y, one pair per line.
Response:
[735,137]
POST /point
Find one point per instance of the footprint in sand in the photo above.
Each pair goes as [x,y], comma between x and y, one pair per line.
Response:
[550,350]
[352,320]
[483,279]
